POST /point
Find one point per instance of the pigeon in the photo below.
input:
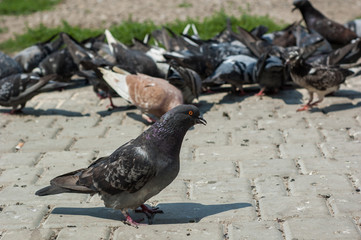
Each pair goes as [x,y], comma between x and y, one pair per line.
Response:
[321,80]
[235,70]
[19,88]
[132,60]
[81,54]
[174,42]
[337,34]
[152,95]
[30,57]
[59,62]
[8,66]
[137,170]
[269,73]
[185,79]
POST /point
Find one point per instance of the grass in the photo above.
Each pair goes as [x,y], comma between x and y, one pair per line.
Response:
[185,4]
[19,7]
[127,30]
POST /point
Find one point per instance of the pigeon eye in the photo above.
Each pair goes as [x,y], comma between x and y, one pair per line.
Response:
[190,113]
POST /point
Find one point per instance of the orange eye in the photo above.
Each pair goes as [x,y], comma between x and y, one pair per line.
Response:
[190,113]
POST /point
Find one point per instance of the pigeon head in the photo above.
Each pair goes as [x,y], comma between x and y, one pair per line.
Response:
[300,3]
[183,116]
[168,132]
[292,56]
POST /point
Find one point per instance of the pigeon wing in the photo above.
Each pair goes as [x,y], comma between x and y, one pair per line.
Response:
[127,169]
[323,77]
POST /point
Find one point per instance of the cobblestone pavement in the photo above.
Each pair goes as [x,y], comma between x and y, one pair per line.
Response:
[258,170]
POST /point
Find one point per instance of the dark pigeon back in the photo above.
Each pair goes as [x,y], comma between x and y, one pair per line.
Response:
[8,66]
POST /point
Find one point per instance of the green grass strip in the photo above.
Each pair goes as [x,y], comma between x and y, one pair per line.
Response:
[127,30]
[19,7]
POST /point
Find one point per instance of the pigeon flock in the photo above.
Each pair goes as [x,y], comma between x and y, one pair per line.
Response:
[164,79]
[178,68]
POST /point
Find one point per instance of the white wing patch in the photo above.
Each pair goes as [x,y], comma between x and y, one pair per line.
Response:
[118,82]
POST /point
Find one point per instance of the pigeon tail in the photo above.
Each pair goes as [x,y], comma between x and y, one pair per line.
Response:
[117,80]
[111,40]
[51,190]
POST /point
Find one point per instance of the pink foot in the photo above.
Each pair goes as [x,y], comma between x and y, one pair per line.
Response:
[129,220]
[261,92]
[148,119]
[304,108]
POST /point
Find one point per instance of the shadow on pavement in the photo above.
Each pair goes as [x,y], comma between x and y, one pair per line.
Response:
[47,112]
[114,110]
[173,212]
[336,107]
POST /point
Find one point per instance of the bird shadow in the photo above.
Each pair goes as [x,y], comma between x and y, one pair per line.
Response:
[347,93]
[138,118]
[204,106]
[290,96]
[336,108]
[172,212]
[48,112]
[110,111]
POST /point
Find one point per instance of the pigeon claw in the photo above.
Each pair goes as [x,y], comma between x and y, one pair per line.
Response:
[304,108]
[129,220]
[149,212]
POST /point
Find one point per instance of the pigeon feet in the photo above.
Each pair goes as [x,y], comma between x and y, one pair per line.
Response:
[304,108]
[111,105]
[15,111]
[148,119]
[149,212]
[260,93]
[129,220]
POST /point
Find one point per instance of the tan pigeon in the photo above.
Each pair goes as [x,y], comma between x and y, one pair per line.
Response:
[151,95]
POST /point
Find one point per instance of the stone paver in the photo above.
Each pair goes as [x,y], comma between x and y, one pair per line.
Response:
[258,170]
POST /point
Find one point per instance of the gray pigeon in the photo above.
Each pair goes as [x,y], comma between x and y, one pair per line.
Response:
[8,66]
[19,88]
[30,57]
[137,170]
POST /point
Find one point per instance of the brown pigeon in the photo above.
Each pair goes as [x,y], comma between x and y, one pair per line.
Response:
[321,80]
[152,95]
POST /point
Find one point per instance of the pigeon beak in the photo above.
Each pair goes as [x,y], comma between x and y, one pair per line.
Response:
[293,9]
[200,120]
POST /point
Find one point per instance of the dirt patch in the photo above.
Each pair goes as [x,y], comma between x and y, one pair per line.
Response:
[104,13]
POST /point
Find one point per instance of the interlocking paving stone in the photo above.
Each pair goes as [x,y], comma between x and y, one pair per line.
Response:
[88,233]
[283,207]
[172,231]
[258,170]
[32,234]
[319,184]
[20,216]
[321,228]
[255,230]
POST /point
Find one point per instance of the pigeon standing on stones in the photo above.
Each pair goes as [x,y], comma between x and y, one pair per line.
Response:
[334,32]
[30,57]
[269,73]
[235,70]
[186,80]
[19,88]
[136,171]
[321,80]
[152,95]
